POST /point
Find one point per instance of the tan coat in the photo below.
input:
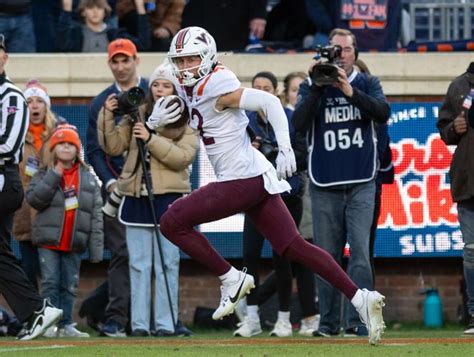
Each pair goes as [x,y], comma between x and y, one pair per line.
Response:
[169,159]
[25,215]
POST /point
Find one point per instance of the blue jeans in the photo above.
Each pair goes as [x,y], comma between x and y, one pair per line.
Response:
[60,279]
[143,252]
[19,33]
[466,221]
[340,215]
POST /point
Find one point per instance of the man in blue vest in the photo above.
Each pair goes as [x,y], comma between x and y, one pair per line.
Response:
[342,166]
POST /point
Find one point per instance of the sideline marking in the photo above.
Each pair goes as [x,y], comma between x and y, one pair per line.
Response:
[17,349]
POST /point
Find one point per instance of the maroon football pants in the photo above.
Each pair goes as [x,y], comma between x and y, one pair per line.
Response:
[219,200]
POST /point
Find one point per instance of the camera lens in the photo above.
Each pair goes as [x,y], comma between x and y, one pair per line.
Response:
[135,96]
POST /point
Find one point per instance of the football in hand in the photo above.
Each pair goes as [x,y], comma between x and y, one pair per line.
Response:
[176,130]
[184,113]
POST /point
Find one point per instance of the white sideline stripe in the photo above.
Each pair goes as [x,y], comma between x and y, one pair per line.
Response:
[52,347]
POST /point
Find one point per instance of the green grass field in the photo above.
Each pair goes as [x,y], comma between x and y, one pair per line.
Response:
[406,341]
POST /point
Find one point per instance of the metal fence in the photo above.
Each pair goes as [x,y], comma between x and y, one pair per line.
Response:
[441,21]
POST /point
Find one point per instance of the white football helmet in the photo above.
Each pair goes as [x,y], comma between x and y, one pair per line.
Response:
[192,41]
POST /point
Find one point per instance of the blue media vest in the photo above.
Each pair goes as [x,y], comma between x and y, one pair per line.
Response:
[343,149]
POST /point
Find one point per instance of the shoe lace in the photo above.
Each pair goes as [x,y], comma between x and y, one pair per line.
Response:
[224,293]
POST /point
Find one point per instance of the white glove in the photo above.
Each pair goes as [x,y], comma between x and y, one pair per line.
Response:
[161,115]
[285,162]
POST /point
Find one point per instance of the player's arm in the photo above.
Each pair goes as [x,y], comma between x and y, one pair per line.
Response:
[257,100]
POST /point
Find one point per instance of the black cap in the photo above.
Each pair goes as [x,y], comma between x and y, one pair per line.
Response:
[2,42]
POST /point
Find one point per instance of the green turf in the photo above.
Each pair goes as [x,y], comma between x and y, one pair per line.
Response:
[398,341]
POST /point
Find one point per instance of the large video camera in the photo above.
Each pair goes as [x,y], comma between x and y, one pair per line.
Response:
[129,101]
[325,73]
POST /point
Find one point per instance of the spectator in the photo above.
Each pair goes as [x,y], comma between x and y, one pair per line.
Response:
[42,122]
[165,21]
[230,21]
[168,166]
[265,141]
[123,61]
[385,172]
[45,14]
[64,187]
[343,163]
[94,35]
[377,32]
[287,24]
[16,25]
[305,279]
[246,180]
[291,85]
[454,116]
[36,313]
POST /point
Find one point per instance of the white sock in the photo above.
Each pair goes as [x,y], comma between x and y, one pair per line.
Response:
[252,312]
[284,316]
[231,275]
[357,300]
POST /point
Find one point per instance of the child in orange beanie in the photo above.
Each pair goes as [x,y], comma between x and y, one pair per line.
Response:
[69,221]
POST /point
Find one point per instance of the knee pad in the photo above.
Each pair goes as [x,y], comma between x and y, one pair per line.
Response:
[468,255]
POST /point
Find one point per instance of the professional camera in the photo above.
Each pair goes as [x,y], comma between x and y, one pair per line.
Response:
[112,204]
[129,101]
[326,73]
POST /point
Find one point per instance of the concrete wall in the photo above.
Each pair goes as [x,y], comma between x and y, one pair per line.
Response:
[85,75]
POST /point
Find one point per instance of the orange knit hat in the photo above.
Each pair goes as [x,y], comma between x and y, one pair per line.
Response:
[65,133]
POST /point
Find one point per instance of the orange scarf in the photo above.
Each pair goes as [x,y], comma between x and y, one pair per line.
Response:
[36,131]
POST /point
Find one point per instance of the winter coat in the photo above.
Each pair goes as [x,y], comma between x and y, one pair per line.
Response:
[45,195]
[169,159]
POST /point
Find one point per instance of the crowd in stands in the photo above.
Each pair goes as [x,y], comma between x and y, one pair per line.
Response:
[246,25]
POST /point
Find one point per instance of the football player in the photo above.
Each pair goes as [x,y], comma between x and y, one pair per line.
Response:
[246,180]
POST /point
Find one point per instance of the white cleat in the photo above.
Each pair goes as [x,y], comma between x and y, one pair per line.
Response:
[282,329]
[371,314]
[248,328]
[232,292]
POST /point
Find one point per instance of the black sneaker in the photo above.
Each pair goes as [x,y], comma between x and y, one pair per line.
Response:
[359,331]
[140,333]
[40,321]
[163,333]
[182,330]
[113,329]
[470,327]
[320,333]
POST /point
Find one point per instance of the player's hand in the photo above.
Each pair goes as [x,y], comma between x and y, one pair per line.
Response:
[460,124]
[161,115]
[285,162]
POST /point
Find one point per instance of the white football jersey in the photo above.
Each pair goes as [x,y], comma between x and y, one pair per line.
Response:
[223,132]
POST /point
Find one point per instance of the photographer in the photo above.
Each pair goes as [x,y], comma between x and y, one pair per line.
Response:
[264,140]
[342,163]
[123,61]
[167,161]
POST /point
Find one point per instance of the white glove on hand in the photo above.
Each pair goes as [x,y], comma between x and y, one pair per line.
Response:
[161,115]
[285,163]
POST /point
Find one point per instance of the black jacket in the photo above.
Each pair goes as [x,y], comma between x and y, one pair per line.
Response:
[69,37]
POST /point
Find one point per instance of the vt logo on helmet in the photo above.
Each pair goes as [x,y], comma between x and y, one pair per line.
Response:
[192,41]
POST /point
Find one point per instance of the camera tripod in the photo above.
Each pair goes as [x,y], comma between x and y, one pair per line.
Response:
[146,175]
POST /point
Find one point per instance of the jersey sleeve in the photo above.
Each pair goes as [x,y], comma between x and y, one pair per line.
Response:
[220,82]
